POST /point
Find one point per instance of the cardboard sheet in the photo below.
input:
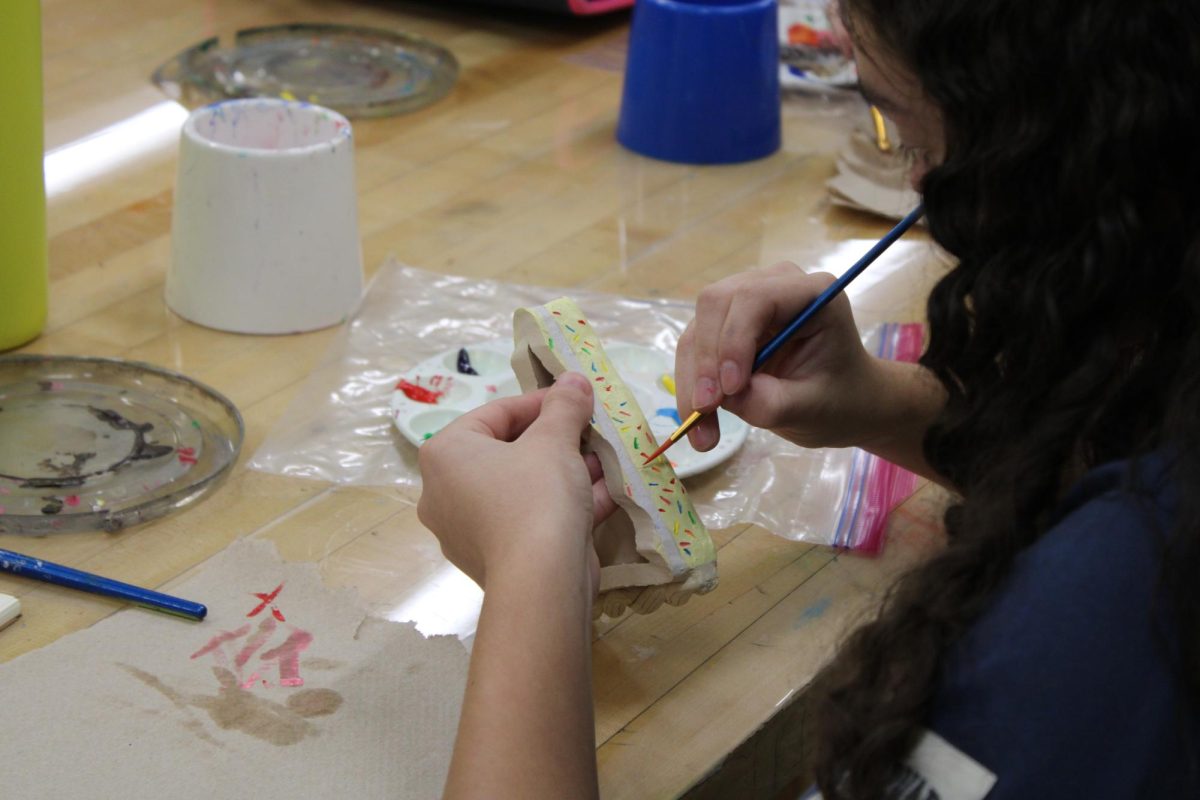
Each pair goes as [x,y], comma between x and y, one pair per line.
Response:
[285,691]
[870,180]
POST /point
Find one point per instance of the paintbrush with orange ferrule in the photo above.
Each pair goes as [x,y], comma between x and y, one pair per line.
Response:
[822,300]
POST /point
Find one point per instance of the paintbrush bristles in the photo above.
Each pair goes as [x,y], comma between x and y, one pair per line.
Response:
[676,436]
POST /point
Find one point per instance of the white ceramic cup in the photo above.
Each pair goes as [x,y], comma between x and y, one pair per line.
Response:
[264,236]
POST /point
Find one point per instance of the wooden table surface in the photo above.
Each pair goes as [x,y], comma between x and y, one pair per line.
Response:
[515,176]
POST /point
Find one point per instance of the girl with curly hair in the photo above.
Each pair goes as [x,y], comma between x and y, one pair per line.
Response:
[1052,649]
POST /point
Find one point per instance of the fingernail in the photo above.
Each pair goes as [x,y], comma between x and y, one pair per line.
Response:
[573,380]
[704,393]
[730,375]
[701,438]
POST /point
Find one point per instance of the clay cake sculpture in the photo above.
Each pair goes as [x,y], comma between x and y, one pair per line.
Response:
[654,548]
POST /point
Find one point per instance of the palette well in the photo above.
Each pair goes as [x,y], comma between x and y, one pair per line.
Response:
[438,390]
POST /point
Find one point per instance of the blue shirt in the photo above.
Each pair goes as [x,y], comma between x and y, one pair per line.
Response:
[1068,686]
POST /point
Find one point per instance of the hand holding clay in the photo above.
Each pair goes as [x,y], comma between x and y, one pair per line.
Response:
[506,487]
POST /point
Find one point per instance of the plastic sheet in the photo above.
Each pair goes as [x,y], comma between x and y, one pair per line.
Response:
[338,428]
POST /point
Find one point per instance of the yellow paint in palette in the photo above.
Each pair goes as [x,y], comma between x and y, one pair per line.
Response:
[23,278]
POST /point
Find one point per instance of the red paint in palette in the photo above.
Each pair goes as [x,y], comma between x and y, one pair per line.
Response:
[419,394]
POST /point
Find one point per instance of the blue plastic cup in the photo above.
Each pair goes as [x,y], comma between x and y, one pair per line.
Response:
[702,81]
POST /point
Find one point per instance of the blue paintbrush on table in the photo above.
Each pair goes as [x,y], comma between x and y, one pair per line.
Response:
[50,572]
[804,316]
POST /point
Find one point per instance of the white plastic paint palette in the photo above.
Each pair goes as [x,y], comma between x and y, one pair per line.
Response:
[435,392]
[649,375]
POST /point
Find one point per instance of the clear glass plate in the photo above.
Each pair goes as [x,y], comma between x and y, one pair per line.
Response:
[102,444]
[360,72]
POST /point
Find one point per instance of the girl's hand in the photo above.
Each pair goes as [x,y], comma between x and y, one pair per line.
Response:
[513,502]
[507,489]
[819,390]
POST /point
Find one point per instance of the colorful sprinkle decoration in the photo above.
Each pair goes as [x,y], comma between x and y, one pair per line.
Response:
[665,494]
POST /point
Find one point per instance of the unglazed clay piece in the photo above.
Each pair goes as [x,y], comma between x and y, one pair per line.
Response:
[655,548]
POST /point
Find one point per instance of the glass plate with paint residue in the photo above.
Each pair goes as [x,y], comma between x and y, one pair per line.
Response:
[102,444]
[435,392]
[361,72]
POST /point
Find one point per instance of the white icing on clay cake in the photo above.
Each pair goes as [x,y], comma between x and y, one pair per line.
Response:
[655,548]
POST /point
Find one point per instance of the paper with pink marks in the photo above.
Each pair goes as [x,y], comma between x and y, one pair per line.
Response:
[285,691]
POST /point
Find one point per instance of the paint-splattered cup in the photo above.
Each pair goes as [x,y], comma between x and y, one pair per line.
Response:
[264,237]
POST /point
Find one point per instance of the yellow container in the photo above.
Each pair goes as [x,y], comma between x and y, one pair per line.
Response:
[23,275]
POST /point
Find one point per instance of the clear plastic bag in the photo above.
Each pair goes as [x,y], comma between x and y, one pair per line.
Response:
[339,429]
[832,496]
[876,485]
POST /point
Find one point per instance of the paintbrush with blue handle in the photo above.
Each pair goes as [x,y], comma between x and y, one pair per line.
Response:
[50,572]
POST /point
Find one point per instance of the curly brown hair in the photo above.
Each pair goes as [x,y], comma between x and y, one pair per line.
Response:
[1067,336]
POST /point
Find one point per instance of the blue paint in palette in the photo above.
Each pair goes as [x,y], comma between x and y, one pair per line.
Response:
[669,413]
[464,362]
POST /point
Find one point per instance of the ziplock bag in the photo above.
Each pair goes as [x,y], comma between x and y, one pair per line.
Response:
[338,428]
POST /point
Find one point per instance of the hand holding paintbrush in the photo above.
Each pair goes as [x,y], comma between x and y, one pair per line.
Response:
[772,347]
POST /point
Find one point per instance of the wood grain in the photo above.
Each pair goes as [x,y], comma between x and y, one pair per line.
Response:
[515,176]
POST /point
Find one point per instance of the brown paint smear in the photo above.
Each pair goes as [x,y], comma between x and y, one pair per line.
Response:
[235,708]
